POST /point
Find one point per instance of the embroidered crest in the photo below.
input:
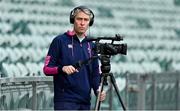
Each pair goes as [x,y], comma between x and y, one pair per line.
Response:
[70,46]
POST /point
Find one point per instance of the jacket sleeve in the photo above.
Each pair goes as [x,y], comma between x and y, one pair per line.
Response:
[51,63]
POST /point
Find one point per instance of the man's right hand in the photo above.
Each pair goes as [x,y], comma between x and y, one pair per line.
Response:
[69,69]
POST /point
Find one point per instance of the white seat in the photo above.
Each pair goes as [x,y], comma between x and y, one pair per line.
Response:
[7,70]
[121,83]
[16,71]
[33,69]
[23,69]
[40,67]
[25,40]
[151,67]
[3,55]
[176,66]
[2,41]
[11,55]
[13,41]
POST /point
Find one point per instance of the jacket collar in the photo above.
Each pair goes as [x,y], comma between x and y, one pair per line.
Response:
[72,33]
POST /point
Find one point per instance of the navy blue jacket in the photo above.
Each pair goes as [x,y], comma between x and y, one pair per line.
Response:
[66,49]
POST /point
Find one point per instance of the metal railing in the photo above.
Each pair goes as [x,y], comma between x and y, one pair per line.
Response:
[32,85]
[154,91]
[150,91]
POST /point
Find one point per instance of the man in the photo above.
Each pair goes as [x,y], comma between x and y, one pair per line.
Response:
[72,87]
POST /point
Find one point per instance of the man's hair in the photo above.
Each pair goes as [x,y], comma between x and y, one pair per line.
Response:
[83,9]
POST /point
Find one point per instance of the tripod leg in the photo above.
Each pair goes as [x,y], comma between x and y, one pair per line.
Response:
[98,102]
[117,90]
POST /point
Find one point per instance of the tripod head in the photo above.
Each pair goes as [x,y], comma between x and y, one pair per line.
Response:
[105,61]
[105,67]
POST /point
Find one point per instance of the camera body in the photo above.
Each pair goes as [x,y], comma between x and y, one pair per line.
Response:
[110,49]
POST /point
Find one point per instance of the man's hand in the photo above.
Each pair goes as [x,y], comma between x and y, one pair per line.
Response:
[102,95]
[69,69]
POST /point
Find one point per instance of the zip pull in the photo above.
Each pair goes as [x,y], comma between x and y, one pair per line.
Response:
[89,50]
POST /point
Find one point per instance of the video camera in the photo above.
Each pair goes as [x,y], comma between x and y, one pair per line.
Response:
[105,50]
[109,48]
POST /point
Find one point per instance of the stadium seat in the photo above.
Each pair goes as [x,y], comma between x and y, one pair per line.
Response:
[151,67]
[40,67]
[2,41]
[16,71]
[23,70]
[33,69]
[6,70]
[11,55]
[13,41]
[176,66]
[25,40]
[3,55]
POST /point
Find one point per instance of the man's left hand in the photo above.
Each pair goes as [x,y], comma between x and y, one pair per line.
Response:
[102,96]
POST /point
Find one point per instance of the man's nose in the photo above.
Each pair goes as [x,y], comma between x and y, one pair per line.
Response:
[82,22]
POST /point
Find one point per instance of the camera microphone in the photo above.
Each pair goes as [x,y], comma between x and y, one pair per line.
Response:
[118,37]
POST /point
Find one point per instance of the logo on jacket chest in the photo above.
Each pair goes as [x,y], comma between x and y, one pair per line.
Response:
[70,46]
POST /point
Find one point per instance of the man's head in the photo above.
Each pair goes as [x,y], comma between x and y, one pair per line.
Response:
[82,17]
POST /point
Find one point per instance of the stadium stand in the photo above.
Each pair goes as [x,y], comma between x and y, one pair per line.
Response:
[151,29]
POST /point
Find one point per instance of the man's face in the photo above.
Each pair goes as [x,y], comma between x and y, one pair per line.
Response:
[81,23]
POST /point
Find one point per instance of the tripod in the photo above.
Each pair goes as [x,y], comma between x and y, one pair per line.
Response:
[105,68]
